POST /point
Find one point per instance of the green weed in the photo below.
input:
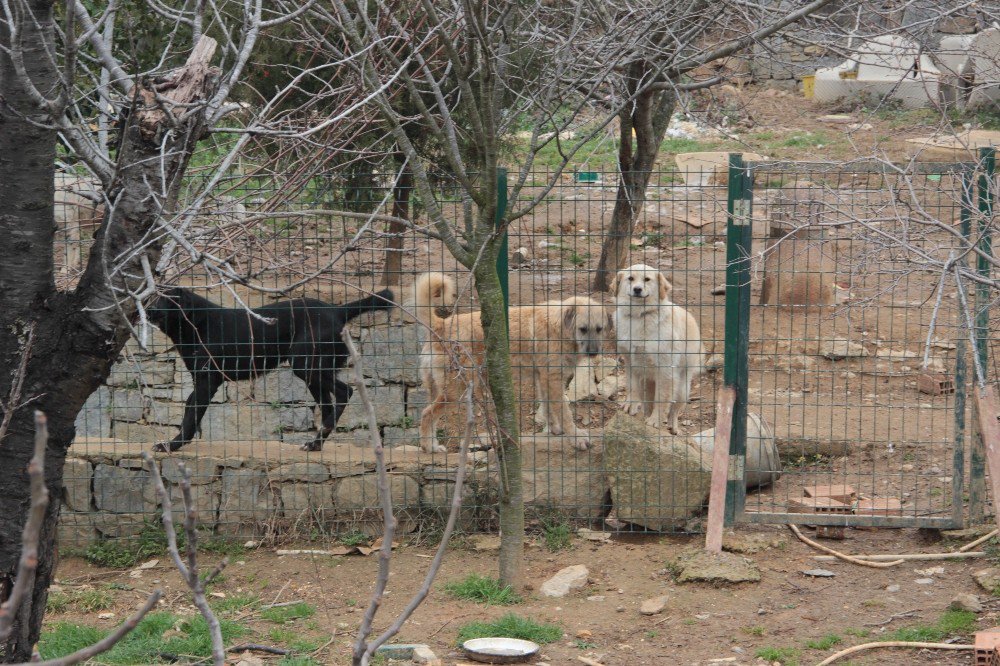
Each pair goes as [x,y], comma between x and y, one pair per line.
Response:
[824,643]
[785,656]
[558,535]
[282,614]
[511,626]
[483,590]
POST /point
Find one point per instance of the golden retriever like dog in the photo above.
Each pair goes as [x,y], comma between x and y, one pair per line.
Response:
[661,343]
[545,341]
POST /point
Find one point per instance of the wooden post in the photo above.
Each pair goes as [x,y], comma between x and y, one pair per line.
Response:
[720,469]
[986,416]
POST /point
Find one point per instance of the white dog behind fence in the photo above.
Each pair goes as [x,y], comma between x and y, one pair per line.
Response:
[661,344]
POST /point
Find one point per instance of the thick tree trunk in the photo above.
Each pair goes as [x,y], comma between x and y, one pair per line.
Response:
[649,117]
[77,336]
[393,269]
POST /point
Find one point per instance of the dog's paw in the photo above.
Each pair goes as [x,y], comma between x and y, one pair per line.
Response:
[581,441]
[540,418]
[312,446]
[673,429]
[436,448]
[632,407]
[162,447]
[556,430]
[654,421]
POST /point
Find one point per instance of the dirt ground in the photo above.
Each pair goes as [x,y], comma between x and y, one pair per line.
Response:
[786,610]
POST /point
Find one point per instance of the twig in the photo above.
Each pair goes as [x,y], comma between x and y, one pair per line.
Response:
[111,639]
[254,647]
[982,539]
[588,662]
[363,649]
[188,571]
[278,595]
[894,644]
[31,534]
[838,555]
[283,604]
[897,616]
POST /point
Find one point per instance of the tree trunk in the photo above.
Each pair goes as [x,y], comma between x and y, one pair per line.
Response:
[393,269]
[501,384]
[77,336]
[649,117]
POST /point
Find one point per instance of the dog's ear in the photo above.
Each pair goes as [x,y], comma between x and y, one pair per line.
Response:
[664,285]
[617,281]
[569,317]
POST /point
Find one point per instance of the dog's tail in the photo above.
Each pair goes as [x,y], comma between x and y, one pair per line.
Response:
[429,291]
[380,300]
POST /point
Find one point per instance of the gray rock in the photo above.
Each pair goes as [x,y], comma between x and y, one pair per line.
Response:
[165,413]
[78,479]
[94,419]
[565,581]
[424,655]
[388,403]
[240,422]
[312,498]
[202,470]
[657,480]
[120,490]
[126,405]
[206,504]
[129,374]
[967,602]
[393,436]
[838,349]
[653,606]
[281,387]
[555,475]
[519,257]
[296,419]
[416,402]
[721,568]
[358,493]
[892,589]
[924,581]
[392,354]
[119,525]
[309,472]
[246,498]
[988,579]
[819,573]
[75,530]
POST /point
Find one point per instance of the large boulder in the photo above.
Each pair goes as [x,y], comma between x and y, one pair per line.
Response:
[657,480]
[558,477]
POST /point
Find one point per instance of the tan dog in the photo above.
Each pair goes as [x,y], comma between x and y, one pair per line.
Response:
[545,341]
[660,341]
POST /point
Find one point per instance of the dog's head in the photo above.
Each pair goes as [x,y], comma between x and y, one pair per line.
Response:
[587,322]
[641,283]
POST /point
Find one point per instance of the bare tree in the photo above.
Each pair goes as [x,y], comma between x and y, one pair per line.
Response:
[51,80]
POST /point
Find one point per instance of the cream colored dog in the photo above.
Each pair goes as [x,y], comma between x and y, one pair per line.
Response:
[660,341]
[545,339]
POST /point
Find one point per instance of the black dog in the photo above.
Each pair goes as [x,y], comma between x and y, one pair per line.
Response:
[220,344]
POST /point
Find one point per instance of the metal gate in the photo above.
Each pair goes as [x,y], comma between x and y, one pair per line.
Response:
[844,335]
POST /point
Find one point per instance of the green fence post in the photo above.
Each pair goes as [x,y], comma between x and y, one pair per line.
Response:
[503,268]
[739,240]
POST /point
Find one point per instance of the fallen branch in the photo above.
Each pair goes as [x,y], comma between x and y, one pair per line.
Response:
[254,647]
[894,644]
[982,539]
[842,556]
[908,557]
[897,616]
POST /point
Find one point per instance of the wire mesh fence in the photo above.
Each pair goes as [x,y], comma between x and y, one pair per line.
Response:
[834,383]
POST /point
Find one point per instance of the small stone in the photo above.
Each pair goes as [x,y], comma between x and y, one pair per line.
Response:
[967,602]
[585,634]
[591,535]
[653,606]
[105,616]
[988,579]
[932,571]
[566,580]
[596,597]
[719,290]
[250,544]
[424,655]
[819,573]
[837,349]
[717,568]
[485,543]
[892,589]
[924,581]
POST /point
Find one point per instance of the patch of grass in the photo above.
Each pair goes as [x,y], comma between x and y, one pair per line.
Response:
[292,640]
[221,546]
[754,631]
[235,603]
[483,590]
[578,259]
[511,626]
[858,633]
[951,623]
[581,644]
[145,645]
[354,538]
[282,614]
[786,656]
[294,660]
[804,140]
[681,145]
[558,535]
[824,643]
[87,601]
